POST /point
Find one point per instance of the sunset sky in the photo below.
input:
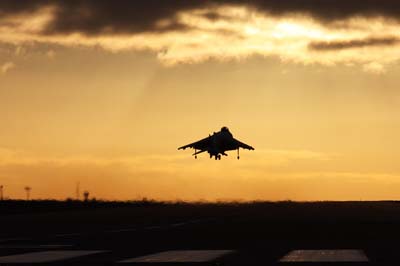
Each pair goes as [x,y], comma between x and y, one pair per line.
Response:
[103,92]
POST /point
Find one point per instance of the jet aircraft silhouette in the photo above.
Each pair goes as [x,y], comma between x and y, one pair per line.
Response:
[217,144]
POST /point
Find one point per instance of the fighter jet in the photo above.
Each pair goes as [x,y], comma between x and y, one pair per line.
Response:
[217,144]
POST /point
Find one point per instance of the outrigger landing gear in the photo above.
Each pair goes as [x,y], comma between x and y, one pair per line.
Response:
[238,157]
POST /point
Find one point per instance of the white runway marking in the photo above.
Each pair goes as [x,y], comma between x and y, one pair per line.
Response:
[180,256]
[70,234]
[196,221]
[12,239]
[152,227]
[55,245]
[328,255]
[149,227]
[47,256]
[33,246]
[178,224]
[121,230]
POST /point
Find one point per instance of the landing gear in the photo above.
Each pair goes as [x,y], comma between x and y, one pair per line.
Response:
[219,156]
[195,153]
[238,157]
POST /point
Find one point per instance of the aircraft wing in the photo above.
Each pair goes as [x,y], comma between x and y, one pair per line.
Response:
[243,145]
[202,144]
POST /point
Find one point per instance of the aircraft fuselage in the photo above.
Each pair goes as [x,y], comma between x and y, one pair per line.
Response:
[220,142]
[217,144]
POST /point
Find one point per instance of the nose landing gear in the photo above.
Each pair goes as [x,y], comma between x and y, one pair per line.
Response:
[238,157]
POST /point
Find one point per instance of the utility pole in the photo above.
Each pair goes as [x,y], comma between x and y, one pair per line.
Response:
[77,191]
[28,192]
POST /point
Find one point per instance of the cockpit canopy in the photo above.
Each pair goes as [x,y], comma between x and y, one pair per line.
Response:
[226,129]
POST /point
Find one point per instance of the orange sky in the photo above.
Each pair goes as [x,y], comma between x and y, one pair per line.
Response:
[109,111]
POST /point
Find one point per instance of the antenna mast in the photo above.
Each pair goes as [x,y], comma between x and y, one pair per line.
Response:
[77,191]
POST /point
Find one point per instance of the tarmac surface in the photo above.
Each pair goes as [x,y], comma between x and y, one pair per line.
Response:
[285,233]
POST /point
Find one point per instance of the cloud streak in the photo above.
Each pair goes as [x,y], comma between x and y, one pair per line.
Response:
[266,174]
[6,67]
[357,43]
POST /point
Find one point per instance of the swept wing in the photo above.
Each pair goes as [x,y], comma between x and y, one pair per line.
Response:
[202,144]
[243,145]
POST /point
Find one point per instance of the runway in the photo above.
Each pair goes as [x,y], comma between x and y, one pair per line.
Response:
[181,257]
[242,236]
[69,255]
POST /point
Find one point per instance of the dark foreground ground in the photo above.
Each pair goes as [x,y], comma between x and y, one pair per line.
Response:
[260,233]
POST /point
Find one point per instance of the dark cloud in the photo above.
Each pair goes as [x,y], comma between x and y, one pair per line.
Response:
[9,7]
[329,10]
[357,43]
[105,16]
[123,16]
[127,16]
